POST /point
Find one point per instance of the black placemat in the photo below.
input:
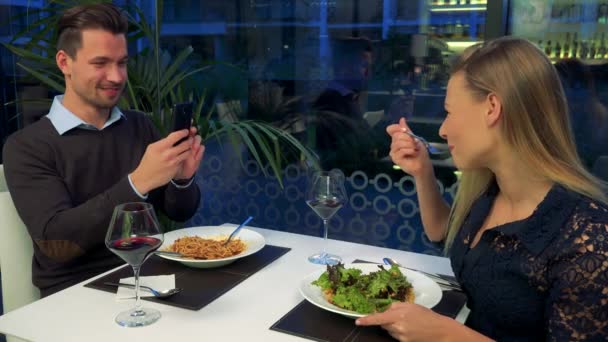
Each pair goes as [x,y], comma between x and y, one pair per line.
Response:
[309,321]
[200,286]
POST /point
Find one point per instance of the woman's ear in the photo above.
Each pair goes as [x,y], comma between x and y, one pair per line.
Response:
[494,109]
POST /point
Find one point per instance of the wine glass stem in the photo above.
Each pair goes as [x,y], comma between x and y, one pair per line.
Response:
[137,310]
[326,229]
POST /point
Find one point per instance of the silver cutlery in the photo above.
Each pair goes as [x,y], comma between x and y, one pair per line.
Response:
[156,293]
[167,253]
[432,149]
[443,283]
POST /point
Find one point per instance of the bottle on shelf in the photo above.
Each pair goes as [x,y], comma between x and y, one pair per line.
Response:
[554,11]
[440,30]
[567,45]
[558,50]
[458,30]
[548,48]
[575,12]
[481,30]
[592,49]
[466,30]
[574,52]
[449,29]
[601,51]
[602,13]
[584,51]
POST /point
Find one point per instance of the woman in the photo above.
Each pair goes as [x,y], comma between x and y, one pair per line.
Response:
[528,232]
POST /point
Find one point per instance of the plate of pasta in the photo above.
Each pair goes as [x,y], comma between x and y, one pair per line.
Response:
[203,247]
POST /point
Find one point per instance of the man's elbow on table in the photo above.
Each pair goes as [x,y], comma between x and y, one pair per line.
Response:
[59,250]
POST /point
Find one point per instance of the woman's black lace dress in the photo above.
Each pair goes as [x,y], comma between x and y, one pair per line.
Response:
[542,278]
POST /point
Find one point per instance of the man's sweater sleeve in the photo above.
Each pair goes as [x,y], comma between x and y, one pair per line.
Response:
[181,204]
[178,204]
[61,230]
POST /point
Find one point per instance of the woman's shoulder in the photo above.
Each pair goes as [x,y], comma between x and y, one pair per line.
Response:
[587,226]
[564,219]
[590,211]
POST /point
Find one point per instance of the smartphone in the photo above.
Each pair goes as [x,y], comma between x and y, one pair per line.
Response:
[182,117]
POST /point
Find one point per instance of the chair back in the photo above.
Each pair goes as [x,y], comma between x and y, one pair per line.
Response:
[3,186]
[16,253]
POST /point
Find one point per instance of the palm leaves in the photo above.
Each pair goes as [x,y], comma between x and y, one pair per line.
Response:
[156,81]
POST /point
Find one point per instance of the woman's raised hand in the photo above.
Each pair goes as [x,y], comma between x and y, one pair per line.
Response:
[408,152]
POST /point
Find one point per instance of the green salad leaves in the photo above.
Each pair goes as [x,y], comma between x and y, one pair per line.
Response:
[349,289]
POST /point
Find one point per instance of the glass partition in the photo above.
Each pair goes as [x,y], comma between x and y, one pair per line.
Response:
[331,73]
[574,35]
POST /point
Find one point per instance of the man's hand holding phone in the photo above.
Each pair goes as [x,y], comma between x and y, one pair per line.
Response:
[177,156]
[194,156]
[182,119]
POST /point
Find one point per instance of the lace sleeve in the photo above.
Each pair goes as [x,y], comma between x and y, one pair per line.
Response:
[577,308]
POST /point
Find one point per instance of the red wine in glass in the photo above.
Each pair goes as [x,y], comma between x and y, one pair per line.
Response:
[135,250]
[134,233]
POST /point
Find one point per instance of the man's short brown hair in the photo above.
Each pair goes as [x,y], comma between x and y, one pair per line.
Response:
[103,16]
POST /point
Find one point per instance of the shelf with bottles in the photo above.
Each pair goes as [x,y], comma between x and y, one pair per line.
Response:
[577,11]
[457,29]
[457,5]
[572,27]
[570,46]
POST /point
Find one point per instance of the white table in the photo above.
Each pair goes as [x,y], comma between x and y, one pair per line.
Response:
[245,313]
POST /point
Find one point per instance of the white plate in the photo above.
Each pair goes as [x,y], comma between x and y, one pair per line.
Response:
[253,243]
[427,291]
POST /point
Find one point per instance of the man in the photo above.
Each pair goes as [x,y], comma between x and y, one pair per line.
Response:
[67,171]
[352,58]
[342,135]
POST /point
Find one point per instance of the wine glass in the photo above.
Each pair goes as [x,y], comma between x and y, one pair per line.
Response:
[134,234]
[326,195]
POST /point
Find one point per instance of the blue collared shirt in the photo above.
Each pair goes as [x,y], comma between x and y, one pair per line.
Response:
[64,120]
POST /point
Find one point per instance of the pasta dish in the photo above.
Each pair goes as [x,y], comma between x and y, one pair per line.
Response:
[196,247]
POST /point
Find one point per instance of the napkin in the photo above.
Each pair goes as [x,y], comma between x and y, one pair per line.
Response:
[159,283]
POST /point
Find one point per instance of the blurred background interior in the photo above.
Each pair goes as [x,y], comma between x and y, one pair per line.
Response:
[333,73]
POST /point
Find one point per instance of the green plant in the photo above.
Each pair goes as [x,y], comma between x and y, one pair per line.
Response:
[156,81]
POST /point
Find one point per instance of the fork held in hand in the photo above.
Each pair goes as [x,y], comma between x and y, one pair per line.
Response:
[432,149]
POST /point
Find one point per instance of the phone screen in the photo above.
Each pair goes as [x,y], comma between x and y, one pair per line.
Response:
[182,117]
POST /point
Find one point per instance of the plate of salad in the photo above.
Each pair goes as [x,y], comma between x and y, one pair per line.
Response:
[357,290]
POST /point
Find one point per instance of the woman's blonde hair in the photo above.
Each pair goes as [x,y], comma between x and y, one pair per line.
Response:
[534,120]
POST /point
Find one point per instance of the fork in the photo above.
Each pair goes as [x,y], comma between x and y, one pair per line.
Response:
[443,283]
[432,149]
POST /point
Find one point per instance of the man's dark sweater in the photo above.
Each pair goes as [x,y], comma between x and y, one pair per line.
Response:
[65,188]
